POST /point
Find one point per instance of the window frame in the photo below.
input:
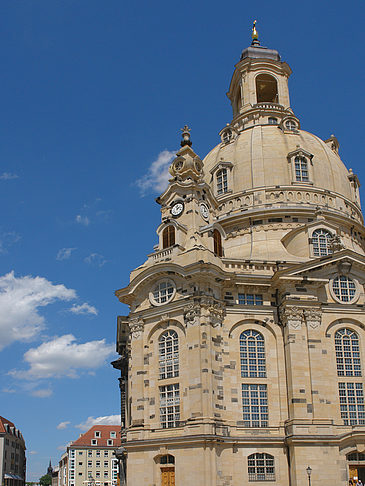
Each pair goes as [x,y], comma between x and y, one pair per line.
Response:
[168,236]
[251,405]
[173,405]
[351,402]
[348,356]
[252,358]
[333,289]
[168,361]
[317,248]
[170,295]
[217,243]
[301,154]
[261,476]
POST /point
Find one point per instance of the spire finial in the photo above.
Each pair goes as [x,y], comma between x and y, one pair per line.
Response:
[255,35]
[185,136]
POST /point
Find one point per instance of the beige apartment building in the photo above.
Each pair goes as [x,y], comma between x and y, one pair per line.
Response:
[242,359]
[91,458]
[12,455]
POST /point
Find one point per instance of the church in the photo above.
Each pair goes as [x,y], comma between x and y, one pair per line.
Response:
[242,359]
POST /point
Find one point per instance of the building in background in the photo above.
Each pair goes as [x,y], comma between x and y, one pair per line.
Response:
[55,475]
[91,458]
[63,470]
[243,356]
[12,455]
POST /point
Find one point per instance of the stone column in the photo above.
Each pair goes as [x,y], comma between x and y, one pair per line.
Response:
[297,363]
[136,325]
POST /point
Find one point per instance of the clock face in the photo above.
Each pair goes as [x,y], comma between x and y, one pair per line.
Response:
[204,211]
[177,209]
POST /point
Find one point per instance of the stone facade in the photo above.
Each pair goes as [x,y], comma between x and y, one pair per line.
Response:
[12,455]
[242,357]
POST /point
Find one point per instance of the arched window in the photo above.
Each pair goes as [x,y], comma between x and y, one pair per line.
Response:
[168,345]
[347,348]
[301,169]
[266,89]
[261,467]
[218,249]
[273,120]
[222,181]
[252,354]
[320,241]
[168,236]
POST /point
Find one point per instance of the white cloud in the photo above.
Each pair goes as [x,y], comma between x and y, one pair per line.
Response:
[8,239]
[32,453]
[84,220]
[42,393]
[64,253]
[95,259]
[105,420]
[20,301]
[62,357]
[8,390]
[157,175]
[84,309]
[63,425]
[7,176]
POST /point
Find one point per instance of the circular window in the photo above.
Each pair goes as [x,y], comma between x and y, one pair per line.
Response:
[290,125]
[163,292]
[344,289]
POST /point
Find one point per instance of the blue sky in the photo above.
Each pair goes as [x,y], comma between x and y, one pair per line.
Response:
[93,98]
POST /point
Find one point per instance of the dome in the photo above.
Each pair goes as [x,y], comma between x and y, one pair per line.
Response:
[261,156]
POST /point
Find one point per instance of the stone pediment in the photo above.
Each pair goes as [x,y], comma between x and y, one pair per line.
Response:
[345,262]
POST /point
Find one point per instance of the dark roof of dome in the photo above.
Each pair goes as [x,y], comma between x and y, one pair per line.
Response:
[260,52]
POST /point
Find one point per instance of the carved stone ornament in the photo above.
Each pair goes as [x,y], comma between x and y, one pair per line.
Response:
[335,243]
[215,311]
[136,325]
[292,317]
[313,317]
[191,314]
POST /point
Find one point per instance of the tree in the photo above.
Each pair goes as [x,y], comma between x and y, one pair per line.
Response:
[45,480]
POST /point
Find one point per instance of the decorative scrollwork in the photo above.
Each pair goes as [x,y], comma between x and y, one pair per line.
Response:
[136,325]
[292,317]
[191,314]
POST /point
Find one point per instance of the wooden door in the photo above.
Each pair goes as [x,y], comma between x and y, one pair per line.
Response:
[167,476]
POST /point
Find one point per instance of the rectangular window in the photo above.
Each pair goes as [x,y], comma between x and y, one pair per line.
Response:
[89,453]
[255,405]
[97,463]
[89,474]
[94,442]
[72,452]
[169,405]
[97,453]
[352,403]
[222,181]
[110,442]
[106,453]
[89,463]
[106,464]
[80,463]
[106,474]
[250,299]
[97,434]
[301,169]
[97,474]
[113,435]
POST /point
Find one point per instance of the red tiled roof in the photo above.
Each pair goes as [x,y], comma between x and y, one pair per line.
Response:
[4,421]
[85,439]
